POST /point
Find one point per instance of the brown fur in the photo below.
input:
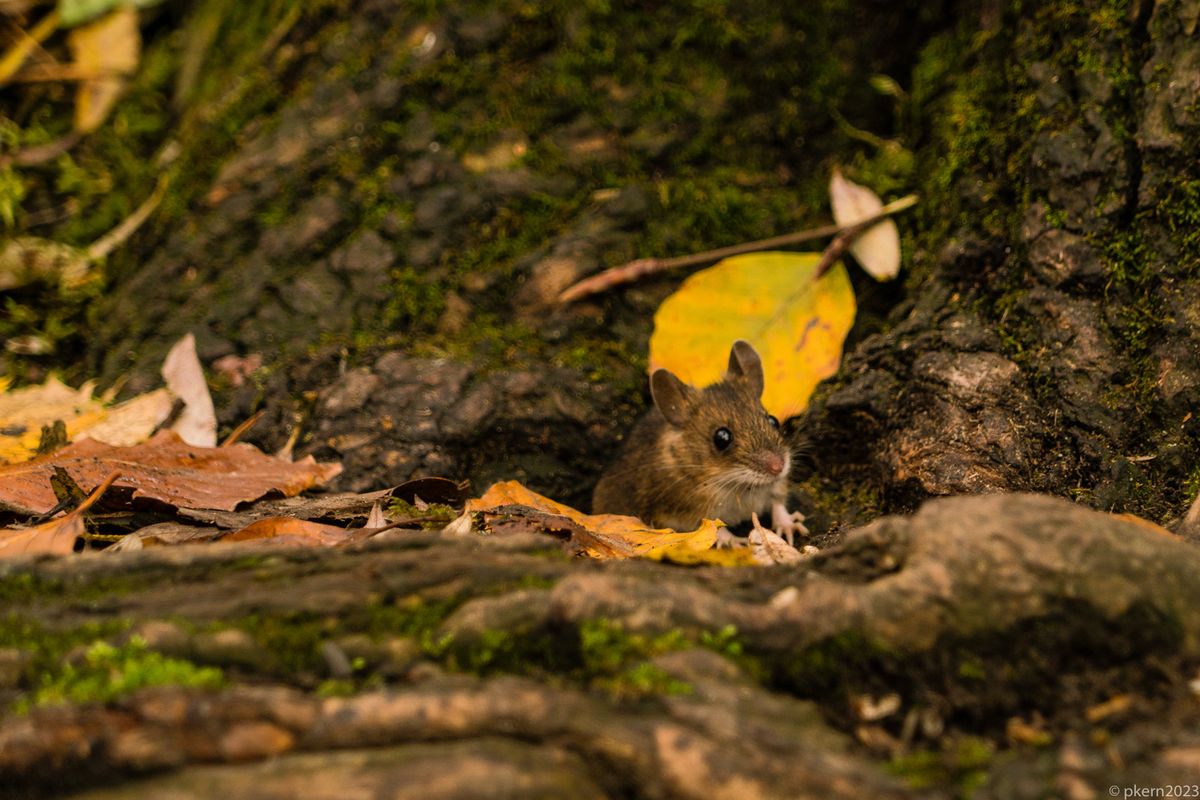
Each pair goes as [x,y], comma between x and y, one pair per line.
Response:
[671,475]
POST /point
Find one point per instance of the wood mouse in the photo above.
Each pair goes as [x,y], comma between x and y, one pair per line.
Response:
[710,453]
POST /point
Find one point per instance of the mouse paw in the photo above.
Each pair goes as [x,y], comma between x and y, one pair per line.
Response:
[787,523]
[726,539]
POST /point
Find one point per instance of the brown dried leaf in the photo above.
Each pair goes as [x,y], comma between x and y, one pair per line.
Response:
[56,537]
[290,531]
[164,533]
[166,469]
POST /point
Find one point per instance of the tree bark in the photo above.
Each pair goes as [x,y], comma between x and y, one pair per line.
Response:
[1051,340]
[624,679]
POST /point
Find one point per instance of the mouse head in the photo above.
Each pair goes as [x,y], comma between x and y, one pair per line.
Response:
[726,422]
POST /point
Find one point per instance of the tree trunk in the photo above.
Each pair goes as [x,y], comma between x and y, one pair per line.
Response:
[1051,339]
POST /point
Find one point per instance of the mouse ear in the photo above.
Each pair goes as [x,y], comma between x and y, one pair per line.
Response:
[744,363]
[671,396]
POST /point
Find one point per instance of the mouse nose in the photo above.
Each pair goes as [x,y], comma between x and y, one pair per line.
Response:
[772,463]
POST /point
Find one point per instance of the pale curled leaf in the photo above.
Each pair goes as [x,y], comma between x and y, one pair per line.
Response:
[796,321]
[376,519]
[109,47]
[185,378]
[769,547]
[878,248]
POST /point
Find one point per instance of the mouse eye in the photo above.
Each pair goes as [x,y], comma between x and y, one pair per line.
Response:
[774,423]
[722,438]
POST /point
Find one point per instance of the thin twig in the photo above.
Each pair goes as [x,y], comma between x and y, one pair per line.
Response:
[842,242]
[240,430]
[97,492]
[41,153]
[117,236]
[636,270]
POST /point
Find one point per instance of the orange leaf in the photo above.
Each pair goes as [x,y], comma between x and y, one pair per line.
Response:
[614,535]
[291,531]
[56,537]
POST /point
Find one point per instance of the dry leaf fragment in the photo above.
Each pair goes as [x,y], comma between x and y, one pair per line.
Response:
[24,412]
[185,378]
[132,421]
[110,48]
[165,469]
[877,249]
[768,547]
[796,321]
[872,709]
[56,537]
[25,259]
[376,519]
[290,531]
[610,535]
[1115,705]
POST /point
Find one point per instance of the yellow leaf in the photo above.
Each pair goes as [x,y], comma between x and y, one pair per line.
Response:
[621,536]
[131,422]
[796,323]
[110,48]
[24,412]
[877,250]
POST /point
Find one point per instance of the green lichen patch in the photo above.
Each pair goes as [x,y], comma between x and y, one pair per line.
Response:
[960,761]
[293,641]
[436,514]
[106,672]
[90,662]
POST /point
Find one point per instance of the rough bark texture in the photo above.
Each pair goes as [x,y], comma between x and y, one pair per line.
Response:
[481,661]
[1051,341]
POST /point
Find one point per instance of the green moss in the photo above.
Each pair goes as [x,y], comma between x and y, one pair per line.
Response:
[337,688]
[294,640]
[107,672]
[439,513]
[25,588]
[643,679]
[599,654]
[823,668]
[962,761]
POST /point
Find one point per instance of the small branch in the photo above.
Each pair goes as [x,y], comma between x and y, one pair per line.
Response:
[117,236]
[97,492]
[848,235]
[636,270]
[41,153]
[240,430]
[27,43]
